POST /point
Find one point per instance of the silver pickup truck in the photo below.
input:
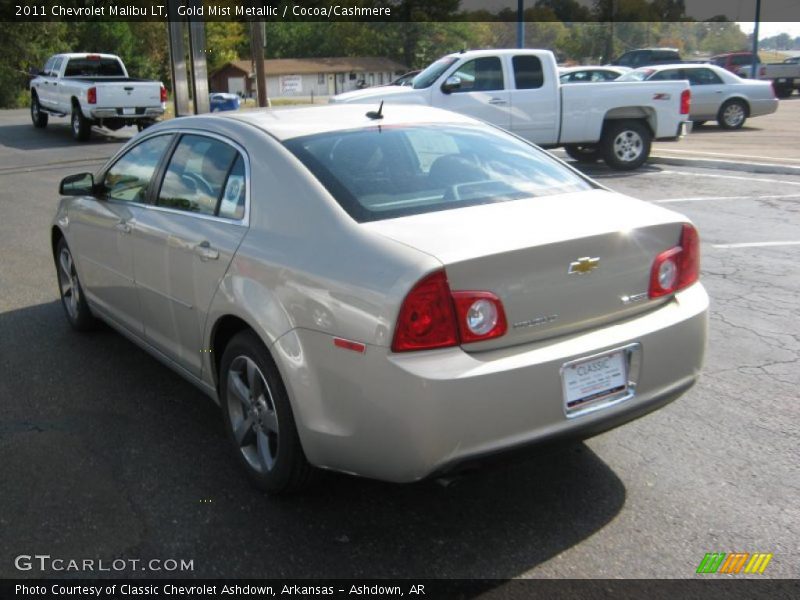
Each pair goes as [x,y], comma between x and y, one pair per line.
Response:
[93,89]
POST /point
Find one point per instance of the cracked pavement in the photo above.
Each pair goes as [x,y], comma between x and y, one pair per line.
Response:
[104,453]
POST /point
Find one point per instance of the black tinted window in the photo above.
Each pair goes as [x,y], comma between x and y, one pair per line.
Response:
[196,175]
[702,76]
[527,72]
[480,75]
[130,176]
[93,67]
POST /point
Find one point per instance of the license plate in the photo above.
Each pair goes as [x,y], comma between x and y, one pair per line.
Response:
[595,380]
[128,111]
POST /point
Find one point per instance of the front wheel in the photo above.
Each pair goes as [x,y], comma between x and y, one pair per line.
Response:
[626,144]
[259,418]
[732,114]
[81,126]
[69,286]
[38,116]
[584,153]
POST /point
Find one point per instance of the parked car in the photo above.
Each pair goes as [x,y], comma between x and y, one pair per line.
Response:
[505,299]
[644,57]
[223,101]
[785,76]
[717,94]
[406,78]
[519,90]
[93,89]
[590,74]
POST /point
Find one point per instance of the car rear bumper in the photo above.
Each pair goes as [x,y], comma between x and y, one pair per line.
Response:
[119,113]
[402,417]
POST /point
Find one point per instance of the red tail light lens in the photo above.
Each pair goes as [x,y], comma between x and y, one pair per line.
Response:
[480,316]
[678,267]
[163,94]
[686,101]
[91,95]
[432,316]
[427,318]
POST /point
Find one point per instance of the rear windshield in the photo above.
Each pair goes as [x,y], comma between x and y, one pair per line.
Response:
[387,172]
[93,67]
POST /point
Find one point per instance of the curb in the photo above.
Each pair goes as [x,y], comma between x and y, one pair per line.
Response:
[713,163]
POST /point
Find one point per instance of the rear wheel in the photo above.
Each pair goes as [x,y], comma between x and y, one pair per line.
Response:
[625,144]
[732,114]
[584,153]
[81,126]
[38,116]
[259,418]
[69,286]
[783,90]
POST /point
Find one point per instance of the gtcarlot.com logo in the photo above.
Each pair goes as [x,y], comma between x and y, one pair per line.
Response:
[734,563]
[45,562]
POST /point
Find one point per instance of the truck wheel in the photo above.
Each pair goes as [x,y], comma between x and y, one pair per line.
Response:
[584,153]
[625,144]
[38,116]
[783,90]
[732,114]
[698,123]
[81,126]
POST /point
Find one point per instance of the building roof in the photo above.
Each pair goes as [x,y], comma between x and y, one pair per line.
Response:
[300,66]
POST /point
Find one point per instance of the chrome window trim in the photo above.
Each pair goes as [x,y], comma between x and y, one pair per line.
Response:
[243,222]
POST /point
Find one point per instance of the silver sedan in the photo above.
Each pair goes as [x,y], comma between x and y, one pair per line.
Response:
[717,94]
[387,292]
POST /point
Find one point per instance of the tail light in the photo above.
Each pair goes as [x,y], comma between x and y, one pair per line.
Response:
[678,267]
[686,101]
[163,94]
[432,316]
[91,95]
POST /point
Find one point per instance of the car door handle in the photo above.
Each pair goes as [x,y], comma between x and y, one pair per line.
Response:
[205,251]
[497,101]
[123,227]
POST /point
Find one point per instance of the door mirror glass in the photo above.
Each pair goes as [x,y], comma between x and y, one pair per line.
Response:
[451,84]
[34,71]
[81,184]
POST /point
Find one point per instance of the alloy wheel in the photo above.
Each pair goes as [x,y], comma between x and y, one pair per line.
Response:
[628,145]
[68,282]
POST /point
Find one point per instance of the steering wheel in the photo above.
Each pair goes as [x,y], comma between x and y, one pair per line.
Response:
[198,182]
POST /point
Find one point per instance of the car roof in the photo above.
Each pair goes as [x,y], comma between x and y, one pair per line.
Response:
[287,123]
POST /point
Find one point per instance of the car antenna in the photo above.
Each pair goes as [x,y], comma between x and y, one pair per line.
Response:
[376,114]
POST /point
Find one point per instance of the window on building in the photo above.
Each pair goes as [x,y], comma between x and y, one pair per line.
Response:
[321,78]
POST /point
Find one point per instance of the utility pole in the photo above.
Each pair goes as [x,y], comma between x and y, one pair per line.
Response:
[257,48]
[520,24]
[610,39]
[754,69]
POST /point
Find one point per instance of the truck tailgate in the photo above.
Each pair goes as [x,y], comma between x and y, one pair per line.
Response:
[128,94]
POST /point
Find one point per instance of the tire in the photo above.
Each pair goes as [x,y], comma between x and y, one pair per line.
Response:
[783,91]
[732,114]
[81,126]
[73,299]
[38,116]
[625,145]
[584,153]
[259,419]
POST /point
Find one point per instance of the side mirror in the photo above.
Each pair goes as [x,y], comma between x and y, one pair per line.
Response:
[451,83]
[34,72]
[81,184]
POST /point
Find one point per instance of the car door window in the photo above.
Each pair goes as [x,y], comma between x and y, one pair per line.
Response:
[528,73]
[232,204]
[56,67]
[196,175]
[480,75]
[702,77]
[129,178]
[48,66]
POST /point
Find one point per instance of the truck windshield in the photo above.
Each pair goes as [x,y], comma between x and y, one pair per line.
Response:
[433,72]
[94,67]
[387,172]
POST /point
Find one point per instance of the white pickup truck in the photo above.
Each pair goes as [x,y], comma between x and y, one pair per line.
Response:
[519,90]
[93,89]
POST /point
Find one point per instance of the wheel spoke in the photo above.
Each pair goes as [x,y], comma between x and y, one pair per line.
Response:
[264,454]
[65,260]
[242,430]
[239,389]
[270,421]
[66,287]
[251,378]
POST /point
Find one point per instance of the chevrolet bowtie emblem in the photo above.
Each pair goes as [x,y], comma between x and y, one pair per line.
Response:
[583,265]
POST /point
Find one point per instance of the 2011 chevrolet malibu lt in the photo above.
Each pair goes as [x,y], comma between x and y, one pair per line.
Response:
[388,292]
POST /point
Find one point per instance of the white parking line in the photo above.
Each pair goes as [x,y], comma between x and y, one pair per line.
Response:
[756,245]
[704,198]
[731,155]
[759,179]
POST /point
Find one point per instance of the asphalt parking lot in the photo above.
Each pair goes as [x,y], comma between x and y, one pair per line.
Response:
[106,454]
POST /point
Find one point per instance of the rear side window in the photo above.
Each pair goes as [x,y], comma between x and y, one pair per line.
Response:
[702,77]
[129,178]
[528,73]
[666,56]
[382,173]
[197,174]
[94,67]
[668,75]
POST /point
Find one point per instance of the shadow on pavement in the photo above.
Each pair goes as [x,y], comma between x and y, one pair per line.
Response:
[107,454]
[57,135]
